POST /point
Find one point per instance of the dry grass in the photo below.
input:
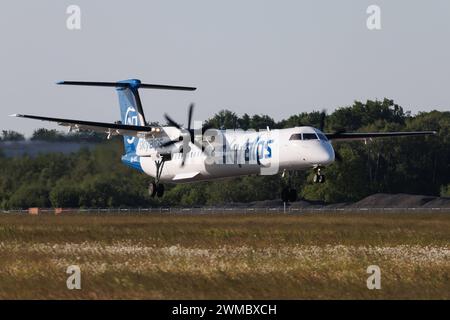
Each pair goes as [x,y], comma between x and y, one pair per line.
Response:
[225,256]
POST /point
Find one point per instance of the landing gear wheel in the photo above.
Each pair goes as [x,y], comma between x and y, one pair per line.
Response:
[319,178]
[316,178]
[160,190]
[152,189]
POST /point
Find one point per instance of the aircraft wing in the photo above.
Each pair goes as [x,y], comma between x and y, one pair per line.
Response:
[370,135]
[109,128]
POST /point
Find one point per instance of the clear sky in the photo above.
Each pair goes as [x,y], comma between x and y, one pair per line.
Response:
[267,57]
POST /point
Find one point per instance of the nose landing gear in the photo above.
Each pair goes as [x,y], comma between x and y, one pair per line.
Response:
[318,177]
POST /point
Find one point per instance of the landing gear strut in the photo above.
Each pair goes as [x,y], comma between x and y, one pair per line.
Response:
[155,188]
[318,177]
[288,193]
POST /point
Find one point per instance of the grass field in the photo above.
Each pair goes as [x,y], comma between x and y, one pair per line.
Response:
[225,256]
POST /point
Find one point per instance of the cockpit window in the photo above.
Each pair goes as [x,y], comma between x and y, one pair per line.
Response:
[322,136]
[296,136]
[309,136]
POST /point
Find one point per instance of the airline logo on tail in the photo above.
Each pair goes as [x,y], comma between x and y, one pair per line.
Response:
[131,118]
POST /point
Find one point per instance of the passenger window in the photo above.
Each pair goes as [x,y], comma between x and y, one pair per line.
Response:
[309,136]
[296,136]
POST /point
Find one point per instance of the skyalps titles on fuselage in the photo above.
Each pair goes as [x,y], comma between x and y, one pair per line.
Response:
[177,154]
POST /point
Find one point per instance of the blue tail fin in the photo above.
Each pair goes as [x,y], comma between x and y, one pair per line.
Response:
[131,111]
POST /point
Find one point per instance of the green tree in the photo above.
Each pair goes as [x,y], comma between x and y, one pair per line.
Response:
[30,195]
[445,191]
[225,119]
[47,135]
[65,195]
[8,135]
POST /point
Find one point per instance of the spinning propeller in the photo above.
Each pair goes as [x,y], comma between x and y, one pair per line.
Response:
[184,131]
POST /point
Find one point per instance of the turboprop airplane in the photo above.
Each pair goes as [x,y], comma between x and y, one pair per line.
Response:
[177,154]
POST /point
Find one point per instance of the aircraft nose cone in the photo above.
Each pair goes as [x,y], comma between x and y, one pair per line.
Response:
[323,155]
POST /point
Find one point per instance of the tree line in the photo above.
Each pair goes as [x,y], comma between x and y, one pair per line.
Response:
[53,135]
[97,178]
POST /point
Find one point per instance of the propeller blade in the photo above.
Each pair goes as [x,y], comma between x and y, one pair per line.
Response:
[171,122]
[184,131]
[191,109]
[323,114]
[168,143]
[184,158]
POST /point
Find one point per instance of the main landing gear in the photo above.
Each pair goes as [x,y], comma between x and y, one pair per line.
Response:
[155,188]
[288,193]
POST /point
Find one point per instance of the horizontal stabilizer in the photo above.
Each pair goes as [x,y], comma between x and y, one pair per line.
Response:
[132,83]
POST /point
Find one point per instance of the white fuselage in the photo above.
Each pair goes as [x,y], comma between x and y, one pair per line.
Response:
[237,153]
